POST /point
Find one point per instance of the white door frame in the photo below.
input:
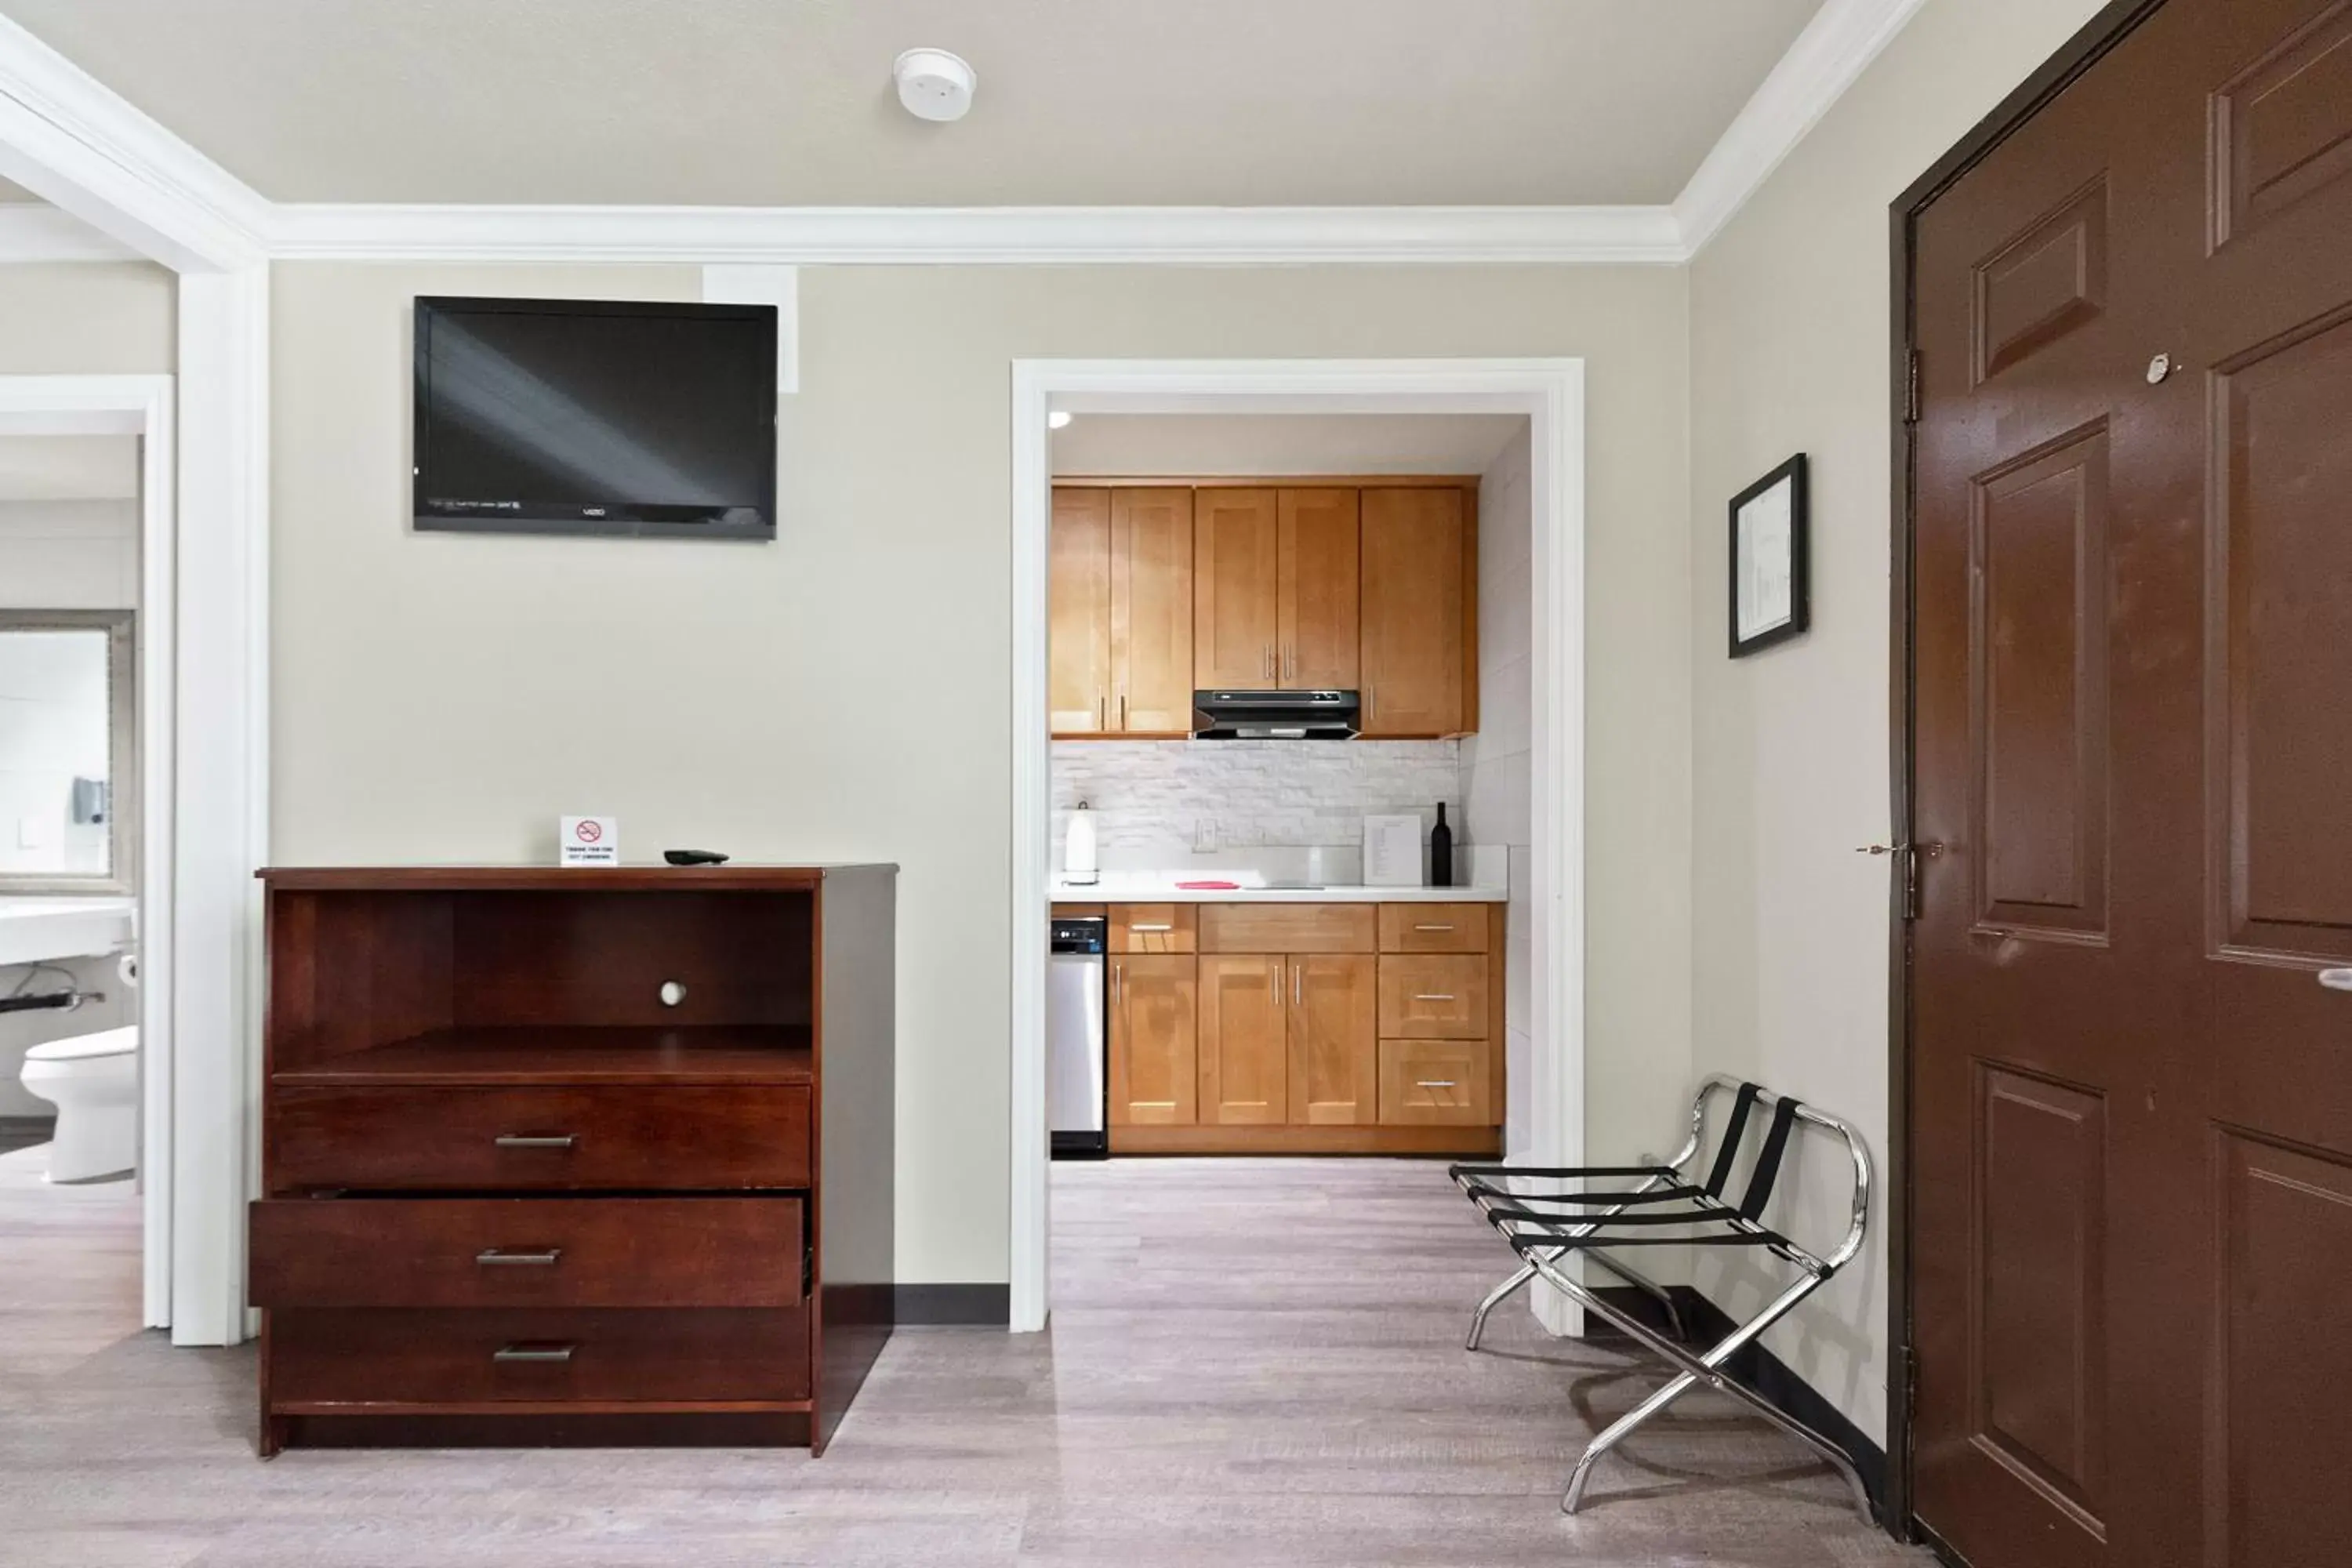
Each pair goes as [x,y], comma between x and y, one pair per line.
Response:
[141,406]
[1550,393]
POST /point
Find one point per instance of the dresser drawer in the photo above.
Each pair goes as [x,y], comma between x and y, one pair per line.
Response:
[549,1137]
[1434,996]
[1432,928]
[320,1361]
[1288,928]
[1435,1083]
[525,1252]
[1152,928]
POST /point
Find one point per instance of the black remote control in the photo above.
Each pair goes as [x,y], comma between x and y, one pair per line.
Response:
[694,858]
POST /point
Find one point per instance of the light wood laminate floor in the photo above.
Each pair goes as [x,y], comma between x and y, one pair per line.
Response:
[1251,1362]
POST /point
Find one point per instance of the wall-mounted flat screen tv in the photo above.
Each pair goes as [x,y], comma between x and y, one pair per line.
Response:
[596,416]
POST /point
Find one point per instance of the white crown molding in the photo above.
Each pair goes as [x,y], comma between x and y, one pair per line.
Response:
[1167,236]
[35,231]
[1833,51]
[68,138]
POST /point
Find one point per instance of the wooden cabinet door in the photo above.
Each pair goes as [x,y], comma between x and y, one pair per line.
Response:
[1237,569]
[1319,626]
[1077,597]
[1151,611]
[1154,1007]
[1334,1040]
[1244,1063]
[1414,648]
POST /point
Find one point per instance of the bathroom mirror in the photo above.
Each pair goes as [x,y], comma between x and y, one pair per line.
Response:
[69,774]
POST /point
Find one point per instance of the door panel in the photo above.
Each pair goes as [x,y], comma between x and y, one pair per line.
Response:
[1334,1039]
[2131,1120]
[1319,612]
[1151,611]
[1077,595]
[1413,611]
[1243,1063]
[1153,1027]
[1234,595]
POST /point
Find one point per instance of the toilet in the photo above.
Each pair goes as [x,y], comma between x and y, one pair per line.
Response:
[93,1081]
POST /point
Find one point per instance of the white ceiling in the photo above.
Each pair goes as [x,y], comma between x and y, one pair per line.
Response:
[1237,446]
[69,468]
[788,102]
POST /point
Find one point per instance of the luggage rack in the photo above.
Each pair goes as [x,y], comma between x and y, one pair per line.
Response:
[1665,1209]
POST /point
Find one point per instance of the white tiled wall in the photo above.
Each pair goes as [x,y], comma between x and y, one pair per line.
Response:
[1164,804]
[1496,761]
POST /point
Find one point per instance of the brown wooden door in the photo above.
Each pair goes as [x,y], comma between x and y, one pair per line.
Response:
[1319,626]
[1235,618]
[1077,597]
[1413,649]
[1151,611]
[1154,1009]
[1334,1032]
[1244,1067]
[2131,1098]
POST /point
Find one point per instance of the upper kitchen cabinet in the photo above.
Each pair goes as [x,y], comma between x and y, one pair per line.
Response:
[1319,589]
[1419,616]
[1152,612]
[1119,630]
[1236,615]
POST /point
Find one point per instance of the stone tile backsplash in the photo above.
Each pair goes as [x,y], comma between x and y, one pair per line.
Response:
[1158,804]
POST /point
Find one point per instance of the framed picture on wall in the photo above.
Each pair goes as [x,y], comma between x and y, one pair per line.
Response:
[1768,560]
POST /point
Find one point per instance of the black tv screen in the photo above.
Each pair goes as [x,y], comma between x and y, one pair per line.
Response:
[596,416]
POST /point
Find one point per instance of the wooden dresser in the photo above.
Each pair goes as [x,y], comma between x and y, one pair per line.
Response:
[596,1155]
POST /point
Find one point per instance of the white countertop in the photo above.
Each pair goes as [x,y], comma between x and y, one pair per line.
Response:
[38,929]
[1157,888]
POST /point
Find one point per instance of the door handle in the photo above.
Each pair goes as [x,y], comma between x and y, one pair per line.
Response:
[545,1259]
[2336,979]
[531,1352]
[535,1140]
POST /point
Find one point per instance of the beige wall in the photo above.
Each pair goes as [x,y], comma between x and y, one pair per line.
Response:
[84,318]
[845,692]
[1789,350]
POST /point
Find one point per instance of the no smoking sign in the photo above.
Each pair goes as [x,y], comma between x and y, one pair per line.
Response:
[588,841]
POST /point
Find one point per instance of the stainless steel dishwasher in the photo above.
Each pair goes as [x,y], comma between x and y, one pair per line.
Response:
[1077,1059]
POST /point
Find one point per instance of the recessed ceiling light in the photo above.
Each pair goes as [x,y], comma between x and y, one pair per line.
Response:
[934,84]
[1057,419]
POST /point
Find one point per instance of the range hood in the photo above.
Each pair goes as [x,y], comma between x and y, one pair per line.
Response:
[1273,715]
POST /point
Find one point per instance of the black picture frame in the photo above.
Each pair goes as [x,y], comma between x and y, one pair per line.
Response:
[1764,633]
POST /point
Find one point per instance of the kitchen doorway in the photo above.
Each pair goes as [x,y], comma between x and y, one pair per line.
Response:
[1545,1108]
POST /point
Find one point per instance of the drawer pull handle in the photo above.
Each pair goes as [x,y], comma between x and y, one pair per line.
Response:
[1434,996]
[544,1258]
[1141,927]
[1432,928]
[533,1352]
[535,1140]
[1434,1083]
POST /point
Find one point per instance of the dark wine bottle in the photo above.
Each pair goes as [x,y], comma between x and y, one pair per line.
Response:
[1441,851]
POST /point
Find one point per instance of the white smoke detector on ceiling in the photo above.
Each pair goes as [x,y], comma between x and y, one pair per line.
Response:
[934,84]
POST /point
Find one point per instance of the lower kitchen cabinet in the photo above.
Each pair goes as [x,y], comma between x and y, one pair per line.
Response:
[1435,1083]
[1334,1037]
[1243,1003]
[1154,1027]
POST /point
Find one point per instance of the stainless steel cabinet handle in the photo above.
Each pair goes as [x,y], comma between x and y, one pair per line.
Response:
[2336,979]
[535,1140]
[1102,711]
[1122,710]
[1115,972]
[1274,983]
[544,1258]
[1432,928]
[1299,985]
[533,1352]
[1434,996]
[1141,927]
[1434,1083]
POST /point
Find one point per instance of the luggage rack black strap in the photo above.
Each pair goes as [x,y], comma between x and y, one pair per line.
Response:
[1553,1173]
[1767,1159]
[1647,1220]
[1538,1241]
[1733,1131]
[1654,1195]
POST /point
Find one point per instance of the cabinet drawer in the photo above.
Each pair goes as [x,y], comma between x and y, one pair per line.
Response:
[522,1252]
[1434,928]
[1435,1083]
[1431,997]
[1288,928]
[1151,928]
[380,1356]
[551,1137]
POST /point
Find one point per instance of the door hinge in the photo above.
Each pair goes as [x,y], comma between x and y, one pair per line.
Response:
[1910,881]
[1910,1399]
[1911,391]
[808,1270]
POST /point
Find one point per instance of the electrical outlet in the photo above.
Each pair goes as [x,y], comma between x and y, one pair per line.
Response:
[1204,836]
